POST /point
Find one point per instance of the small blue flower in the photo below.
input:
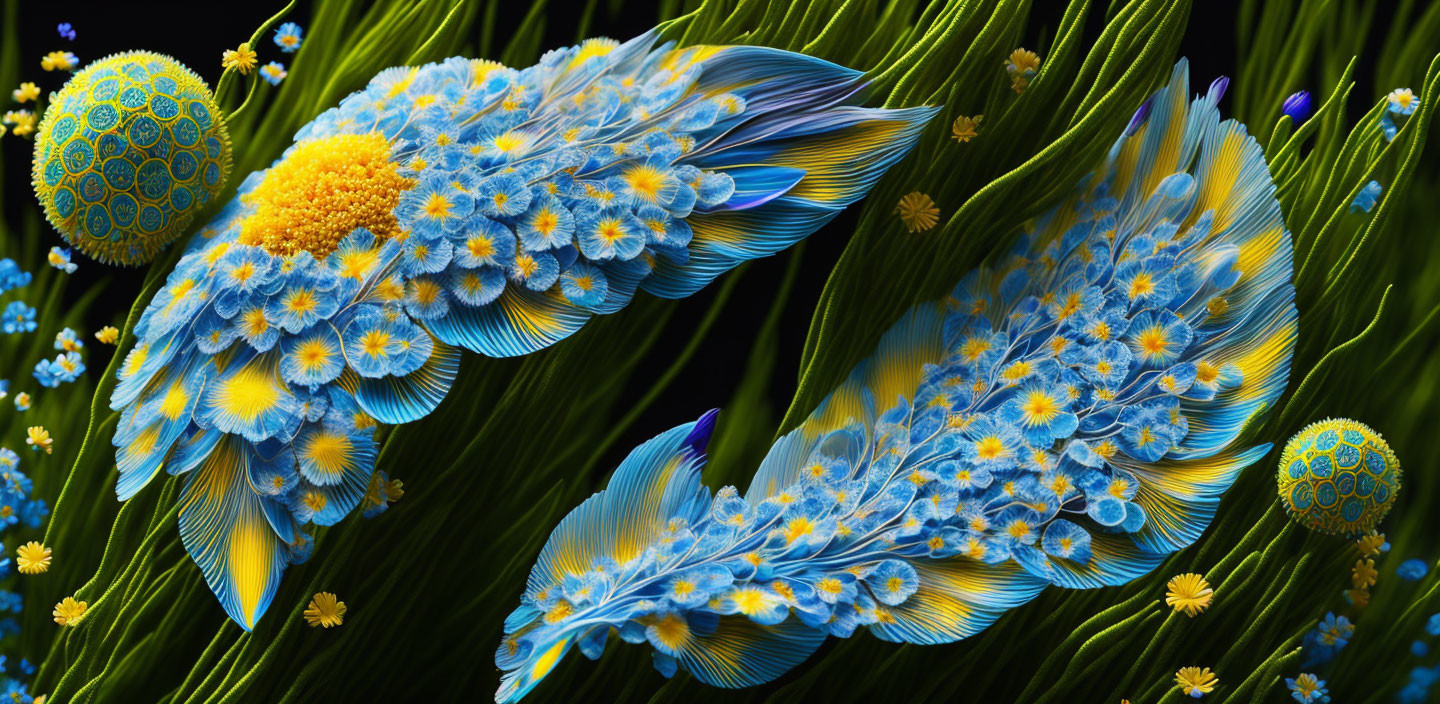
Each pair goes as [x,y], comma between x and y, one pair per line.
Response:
[583,284]
[1297,106]
[15,691]
[435,207]
[893,581]
[545,225]
[1067,540]
[1412,570]
[1366,198]
[476,287]
[44,376]
[1327,639]
[17,318]
[372,342]
[65,368]
[66,31]
[425,297]
[1402,101]
[1307,689]
[537,271]
[502,195]
[482,242]
[288,37]
[1157,338]
[60,259]
[67,341]
[1432,626]
[1419,649]
[11,276]
[273,73]
[612,233]
[695,587]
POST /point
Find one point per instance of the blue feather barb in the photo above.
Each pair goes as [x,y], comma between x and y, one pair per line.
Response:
[526,202]
[1066,418]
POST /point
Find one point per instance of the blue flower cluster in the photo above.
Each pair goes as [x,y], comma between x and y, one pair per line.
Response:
[532,199]
[67,366]
[1033,429]
[1417,687]
[16,504]
[11,276]
[12,684]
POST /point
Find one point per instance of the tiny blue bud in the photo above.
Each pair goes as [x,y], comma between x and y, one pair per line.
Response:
[1138,119]
[1297,106]
[1218,86]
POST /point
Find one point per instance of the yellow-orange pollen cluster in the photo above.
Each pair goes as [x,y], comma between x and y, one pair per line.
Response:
[323,191]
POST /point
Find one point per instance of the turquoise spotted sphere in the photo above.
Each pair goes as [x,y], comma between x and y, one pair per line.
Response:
[1338,476]
[129,151]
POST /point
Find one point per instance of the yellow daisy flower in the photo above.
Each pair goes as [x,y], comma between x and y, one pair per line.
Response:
[918,212]
[1022,66]
[1189,593]
[1371,544]
[59,61]
[23,121]
[1363,574]
[26,92]
[1195,679]
[32,558]
[69,611]
[325,610]
[965,128]
[108,335]
[242,59]
[39,438]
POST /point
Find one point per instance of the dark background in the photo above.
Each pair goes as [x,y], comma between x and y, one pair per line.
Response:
[181,29]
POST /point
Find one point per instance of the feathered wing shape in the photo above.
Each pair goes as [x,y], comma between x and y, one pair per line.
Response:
[1069,417]
[500,209]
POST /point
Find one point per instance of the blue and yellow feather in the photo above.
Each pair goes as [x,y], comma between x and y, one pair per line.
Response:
[525,202]
[1069,417]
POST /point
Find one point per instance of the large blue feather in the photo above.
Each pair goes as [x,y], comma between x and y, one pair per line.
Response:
[1069,417]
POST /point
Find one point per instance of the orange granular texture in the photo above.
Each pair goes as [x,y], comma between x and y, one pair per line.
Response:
[323,191]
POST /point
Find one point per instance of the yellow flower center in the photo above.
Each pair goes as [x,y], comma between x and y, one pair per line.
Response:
[324,190]
[1039,408]
[990,447]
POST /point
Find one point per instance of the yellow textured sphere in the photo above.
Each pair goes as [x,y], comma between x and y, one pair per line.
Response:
[1338,476]
[128,152]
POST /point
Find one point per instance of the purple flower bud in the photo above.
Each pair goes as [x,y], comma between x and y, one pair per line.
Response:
[1297,106]
[1139,119]
[1217,88]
